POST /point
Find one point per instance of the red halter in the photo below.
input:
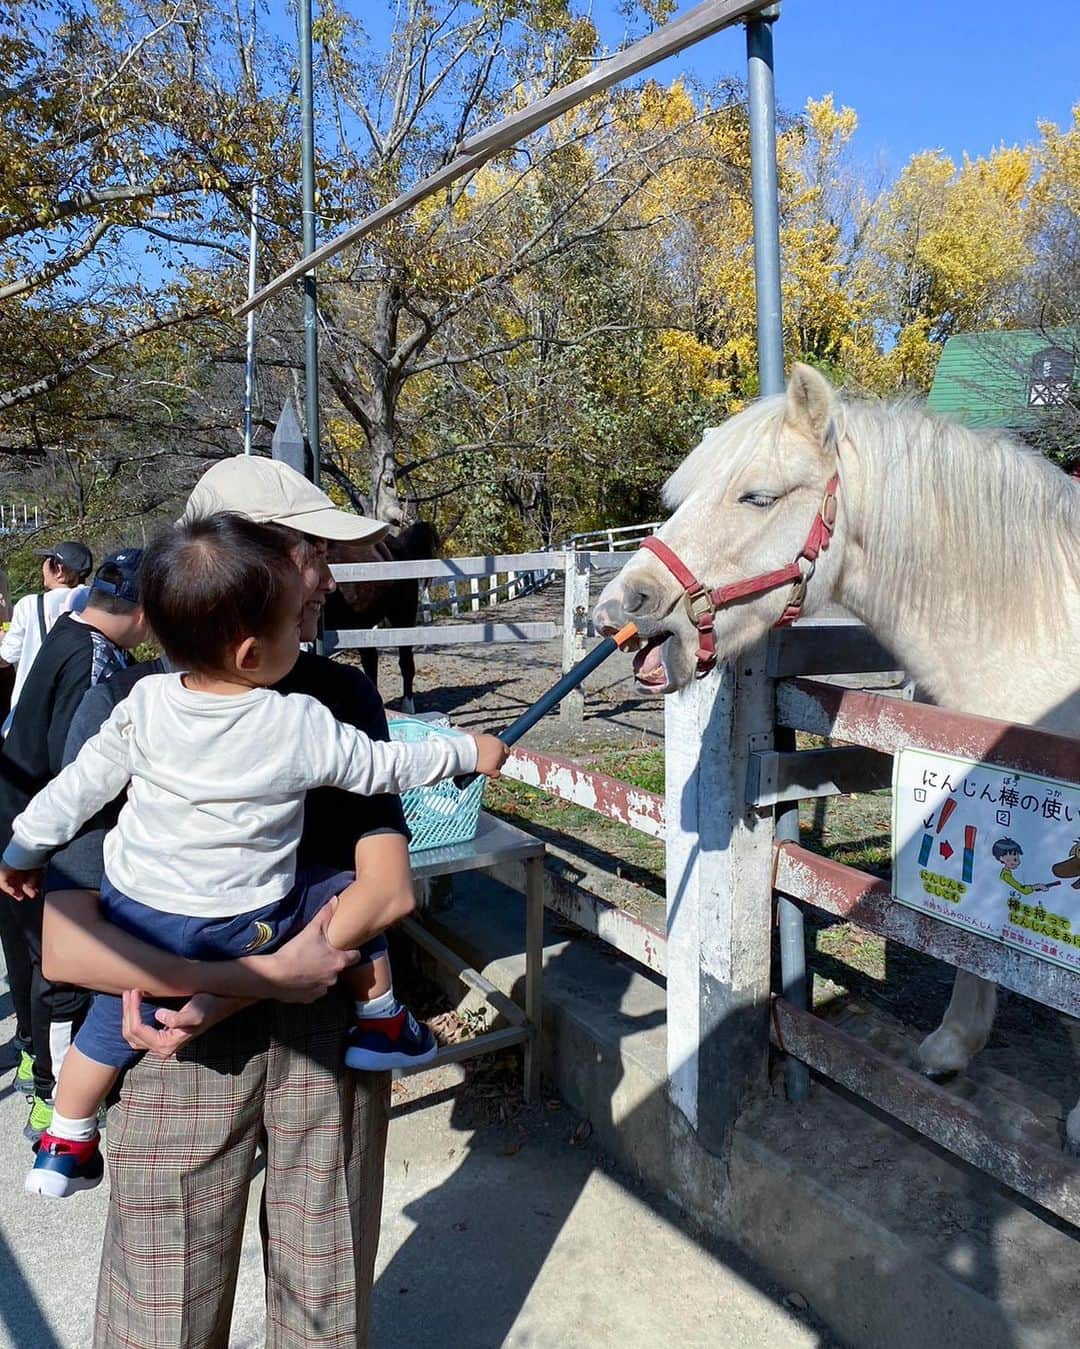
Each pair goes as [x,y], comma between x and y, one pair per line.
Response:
[702,604]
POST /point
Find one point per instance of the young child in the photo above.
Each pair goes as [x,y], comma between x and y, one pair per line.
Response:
[202,859]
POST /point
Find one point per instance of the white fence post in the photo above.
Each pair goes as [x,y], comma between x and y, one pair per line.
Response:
[425,602]
[719,889]
[576,567]
[455,608]
[474,594]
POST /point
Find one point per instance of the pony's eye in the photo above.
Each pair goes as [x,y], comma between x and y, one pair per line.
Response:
[762,500]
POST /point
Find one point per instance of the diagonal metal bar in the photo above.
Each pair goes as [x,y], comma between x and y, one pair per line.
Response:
[698,23]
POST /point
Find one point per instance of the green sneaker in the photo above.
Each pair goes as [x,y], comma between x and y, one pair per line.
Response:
[39,1119]
[24,1074]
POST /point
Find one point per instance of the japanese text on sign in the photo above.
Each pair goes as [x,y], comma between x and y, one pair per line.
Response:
[990,850]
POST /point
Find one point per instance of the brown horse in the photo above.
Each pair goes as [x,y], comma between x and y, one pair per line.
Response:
[366,604]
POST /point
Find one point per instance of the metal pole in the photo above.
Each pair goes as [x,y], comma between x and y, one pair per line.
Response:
[770,327]
[307,163]
[759,60]
[249,360]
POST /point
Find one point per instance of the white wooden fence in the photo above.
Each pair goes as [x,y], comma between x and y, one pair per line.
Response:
[475,582]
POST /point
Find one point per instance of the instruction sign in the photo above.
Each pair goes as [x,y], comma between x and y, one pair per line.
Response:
[991,850]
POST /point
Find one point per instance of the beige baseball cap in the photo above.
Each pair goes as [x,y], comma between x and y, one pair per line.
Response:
[270,492]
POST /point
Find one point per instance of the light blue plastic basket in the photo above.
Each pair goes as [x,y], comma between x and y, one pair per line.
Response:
[440,815]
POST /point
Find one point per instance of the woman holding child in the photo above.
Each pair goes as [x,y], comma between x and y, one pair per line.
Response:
[182,1139]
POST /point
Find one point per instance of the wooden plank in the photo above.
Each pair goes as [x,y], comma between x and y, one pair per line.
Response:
[890,724]
[606,795]
[866,900]
[698,23]
[443,568]
[719,897]
[628,934]
[774,776]
[440,634]
[811,647]
[1048,1178]
[575,632]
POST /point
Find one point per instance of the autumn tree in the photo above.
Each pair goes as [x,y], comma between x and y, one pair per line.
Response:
[132,135]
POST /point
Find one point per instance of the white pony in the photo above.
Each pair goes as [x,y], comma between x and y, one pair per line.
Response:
[959,549]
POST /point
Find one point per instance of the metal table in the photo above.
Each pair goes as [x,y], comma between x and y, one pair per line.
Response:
[495,842]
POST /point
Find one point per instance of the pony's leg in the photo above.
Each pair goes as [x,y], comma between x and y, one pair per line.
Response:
[369,659]
[1072,1131]
[964,1029]
[407,661]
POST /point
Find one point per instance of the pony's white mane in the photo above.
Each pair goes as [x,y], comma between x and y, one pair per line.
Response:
[941,501]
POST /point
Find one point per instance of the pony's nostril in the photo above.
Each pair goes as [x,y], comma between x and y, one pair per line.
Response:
[633,599]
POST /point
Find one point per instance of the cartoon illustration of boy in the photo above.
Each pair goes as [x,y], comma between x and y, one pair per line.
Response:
[1008,852]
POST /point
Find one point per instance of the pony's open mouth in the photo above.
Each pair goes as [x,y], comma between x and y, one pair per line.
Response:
[649,668]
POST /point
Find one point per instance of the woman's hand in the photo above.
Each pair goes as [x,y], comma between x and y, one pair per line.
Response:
[307,966]
[177,1028]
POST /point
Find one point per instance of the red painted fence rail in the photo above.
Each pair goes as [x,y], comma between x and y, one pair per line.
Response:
[632,806]
[891,724]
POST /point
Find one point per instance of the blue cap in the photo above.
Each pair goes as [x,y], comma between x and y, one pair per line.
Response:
[119,575]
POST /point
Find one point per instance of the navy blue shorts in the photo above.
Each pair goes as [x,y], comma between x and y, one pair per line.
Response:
[260,931]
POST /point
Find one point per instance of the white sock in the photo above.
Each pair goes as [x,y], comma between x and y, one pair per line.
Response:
[384,1005]
[74,1130]
[59,1044]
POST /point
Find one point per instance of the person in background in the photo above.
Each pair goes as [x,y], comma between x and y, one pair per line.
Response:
[64,570]
[5,597]
[80,650]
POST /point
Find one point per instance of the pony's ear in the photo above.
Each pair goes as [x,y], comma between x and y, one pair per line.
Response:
[809,403]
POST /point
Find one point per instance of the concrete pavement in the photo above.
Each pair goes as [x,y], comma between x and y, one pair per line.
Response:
[502,1226]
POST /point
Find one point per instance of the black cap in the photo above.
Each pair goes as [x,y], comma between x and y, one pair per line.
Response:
[73,555]
[119,574]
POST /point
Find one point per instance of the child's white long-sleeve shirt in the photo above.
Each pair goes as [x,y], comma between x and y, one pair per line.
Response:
[215,804]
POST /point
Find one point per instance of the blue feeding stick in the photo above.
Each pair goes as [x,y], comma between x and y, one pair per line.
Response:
[558,691]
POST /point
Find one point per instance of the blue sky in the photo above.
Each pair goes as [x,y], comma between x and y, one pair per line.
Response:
[965,75]
[922,74]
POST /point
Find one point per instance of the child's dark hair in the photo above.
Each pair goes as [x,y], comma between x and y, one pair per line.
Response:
[209,583]
[1006,845]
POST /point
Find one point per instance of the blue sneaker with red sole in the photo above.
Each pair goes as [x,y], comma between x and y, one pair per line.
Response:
[379,1043]
[63,1168]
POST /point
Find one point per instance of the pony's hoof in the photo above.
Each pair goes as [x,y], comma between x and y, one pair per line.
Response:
[942,1055]
[408,706]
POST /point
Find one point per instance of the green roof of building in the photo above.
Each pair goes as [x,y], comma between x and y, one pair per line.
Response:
[984,379]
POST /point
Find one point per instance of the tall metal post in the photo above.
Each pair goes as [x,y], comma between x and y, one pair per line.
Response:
[762,92]
[249,354]
[759,61]
[307,165]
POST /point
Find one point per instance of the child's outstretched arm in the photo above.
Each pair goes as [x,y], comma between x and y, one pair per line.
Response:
[100,771]
[341,756]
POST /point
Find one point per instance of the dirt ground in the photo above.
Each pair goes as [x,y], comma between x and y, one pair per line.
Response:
[854,971]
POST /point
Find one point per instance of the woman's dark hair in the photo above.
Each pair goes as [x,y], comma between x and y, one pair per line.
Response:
[209,583]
